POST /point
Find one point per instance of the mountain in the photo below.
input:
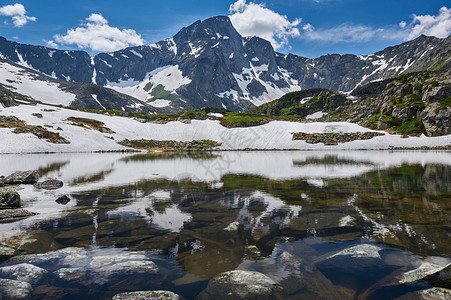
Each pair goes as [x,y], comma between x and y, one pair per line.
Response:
[210,64]
[25,83]
[409,104]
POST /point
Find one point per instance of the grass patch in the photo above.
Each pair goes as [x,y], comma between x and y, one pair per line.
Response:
[197,145]
[413,127]
[243,120]
[159,92]
[90,123]
[39,131]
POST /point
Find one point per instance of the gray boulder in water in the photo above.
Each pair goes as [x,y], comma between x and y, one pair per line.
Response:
[240,284]
[9,199]
[22,177]
[13,289]
[51,184]
[148,295]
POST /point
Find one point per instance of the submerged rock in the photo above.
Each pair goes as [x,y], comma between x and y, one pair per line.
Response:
[13,289]
[6,252]
[51,184]
[51,256]
[441,278]
[427,268]
[25,177]
[11,215]
[9,199]
[63,200]
[364,250]
[240,284]
[428,294]
[69,274]
[23,272]
[148,295]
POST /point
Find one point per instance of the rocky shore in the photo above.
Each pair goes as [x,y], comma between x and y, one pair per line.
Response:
[334,138]
[10,203]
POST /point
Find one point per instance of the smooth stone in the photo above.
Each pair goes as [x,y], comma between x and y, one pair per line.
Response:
[11,215]
[148,295]
[63,200]
[428,294]
[51,184]
[240,284]
[69,274]
[360,251]
[13,289]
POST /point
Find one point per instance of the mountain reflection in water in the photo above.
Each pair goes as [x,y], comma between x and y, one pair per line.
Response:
[343,225]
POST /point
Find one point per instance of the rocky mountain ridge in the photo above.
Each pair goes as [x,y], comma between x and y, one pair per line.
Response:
[409,104]
[210,64]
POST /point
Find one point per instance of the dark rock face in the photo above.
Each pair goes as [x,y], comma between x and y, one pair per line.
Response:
[221,68]
[9,199]
[64,65]
[19,177]
[51,184]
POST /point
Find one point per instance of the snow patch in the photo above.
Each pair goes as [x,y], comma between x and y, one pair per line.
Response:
[136,53]
[94,96]
[160,103]
[27,83]
[316,115]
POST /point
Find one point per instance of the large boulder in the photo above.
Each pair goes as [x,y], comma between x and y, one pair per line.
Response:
[239,284]
[9,199]
[7,101]
[148,295]
[22,177]
[437,119]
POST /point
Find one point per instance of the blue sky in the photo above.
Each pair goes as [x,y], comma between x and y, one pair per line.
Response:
[305,27]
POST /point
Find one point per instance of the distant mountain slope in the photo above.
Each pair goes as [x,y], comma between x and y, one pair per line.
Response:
[22,82]
[210,64]
[411,104]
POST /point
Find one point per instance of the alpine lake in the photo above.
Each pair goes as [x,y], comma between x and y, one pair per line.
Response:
[232,225]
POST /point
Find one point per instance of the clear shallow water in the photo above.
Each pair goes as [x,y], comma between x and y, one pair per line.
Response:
[320,225]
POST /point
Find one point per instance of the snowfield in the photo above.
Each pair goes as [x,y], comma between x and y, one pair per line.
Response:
[274,135]
[29,84]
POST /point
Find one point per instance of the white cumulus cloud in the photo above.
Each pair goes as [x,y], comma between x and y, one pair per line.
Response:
[439,26]
[96,34]
[350,33]
[17,13]
[252,19]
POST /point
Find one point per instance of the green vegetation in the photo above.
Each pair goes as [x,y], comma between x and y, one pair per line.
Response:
[148,86]
[243,120]
[413,127]
[90,123]
[159,92]
[197,145]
